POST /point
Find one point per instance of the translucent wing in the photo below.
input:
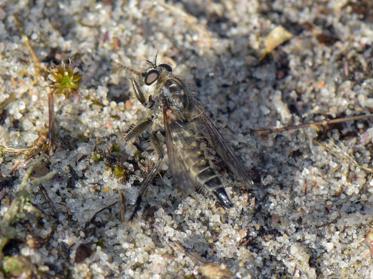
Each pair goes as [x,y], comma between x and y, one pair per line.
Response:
[178,169]
[207,127]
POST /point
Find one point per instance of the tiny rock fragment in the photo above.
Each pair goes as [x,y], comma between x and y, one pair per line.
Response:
[275,38]
[106,189]
[128,104]
[40,170]
[82,252]
[320,85]
[366,137]
[281,107]
[369,242]
[339,5]
[149,213]
[326,39]
[116,43]
[242,233]
[215,271]
[33,241]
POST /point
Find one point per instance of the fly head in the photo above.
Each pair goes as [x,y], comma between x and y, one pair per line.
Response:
[167,87]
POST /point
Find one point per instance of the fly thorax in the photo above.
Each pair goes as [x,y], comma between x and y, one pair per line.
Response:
[175,96]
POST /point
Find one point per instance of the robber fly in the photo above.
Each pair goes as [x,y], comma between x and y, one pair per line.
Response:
[194,145]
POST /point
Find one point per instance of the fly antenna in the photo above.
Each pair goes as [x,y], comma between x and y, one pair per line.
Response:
[129,68]
[153,64]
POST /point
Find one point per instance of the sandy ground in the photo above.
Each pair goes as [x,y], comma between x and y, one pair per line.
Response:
[310,211]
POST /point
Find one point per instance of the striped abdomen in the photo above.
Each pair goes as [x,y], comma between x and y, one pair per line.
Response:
[200,165]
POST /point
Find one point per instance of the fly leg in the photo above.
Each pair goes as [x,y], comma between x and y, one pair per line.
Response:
[151,174]
[140,95]
[135,131]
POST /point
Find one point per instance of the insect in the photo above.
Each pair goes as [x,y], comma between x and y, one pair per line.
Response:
[194,145]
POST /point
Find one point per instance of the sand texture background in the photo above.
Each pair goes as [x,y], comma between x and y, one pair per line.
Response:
[310,211]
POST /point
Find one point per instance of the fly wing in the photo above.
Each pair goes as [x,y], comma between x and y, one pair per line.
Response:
[178,169]
[209,130]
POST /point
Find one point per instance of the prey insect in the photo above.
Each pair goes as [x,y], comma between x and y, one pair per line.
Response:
[195,148]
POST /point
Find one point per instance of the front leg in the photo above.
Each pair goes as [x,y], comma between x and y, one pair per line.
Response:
[140,95]
[135,131]
[151,174]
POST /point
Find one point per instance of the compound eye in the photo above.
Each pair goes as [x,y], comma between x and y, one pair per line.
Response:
[151,76]
[166,67]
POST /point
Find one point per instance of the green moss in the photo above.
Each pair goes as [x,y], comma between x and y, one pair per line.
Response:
[96,157]
[101,243]
[16,266]
[119,172]
[65,79]
[115,148]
